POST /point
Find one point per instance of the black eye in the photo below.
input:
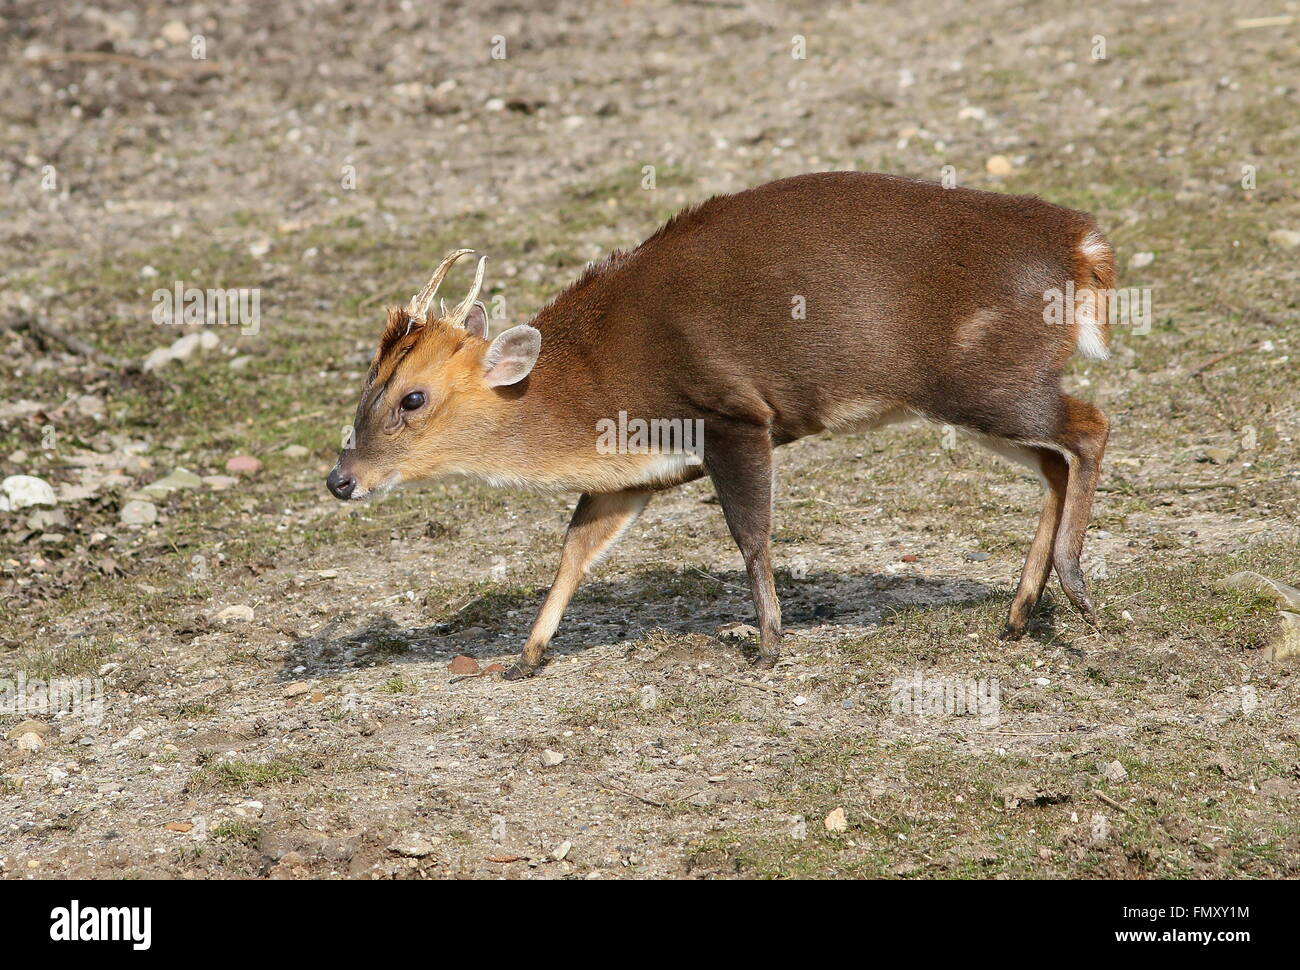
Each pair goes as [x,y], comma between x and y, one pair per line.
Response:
[413,401]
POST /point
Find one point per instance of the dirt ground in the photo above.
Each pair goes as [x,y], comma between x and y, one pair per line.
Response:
[328,154]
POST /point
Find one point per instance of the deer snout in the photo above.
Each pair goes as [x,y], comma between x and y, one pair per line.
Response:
[340,483]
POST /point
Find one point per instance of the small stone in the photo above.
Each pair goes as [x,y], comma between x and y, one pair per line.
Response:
[561,850]
[977,556]
[45,518]
[551,758]
[30,741]
[799,700]
[220,482]
[109,787]
[179,826]
[138,512]
[463,665]
[175,32]
[836,821]
[243,465]
[21,491]
[1113,771]
[238,613]
[998,165]
[28,727]
[1287,642]
[180,478]
[738,631]
[1140,260]
[295,690]
[1286,596]
[1284,238]
[296,451]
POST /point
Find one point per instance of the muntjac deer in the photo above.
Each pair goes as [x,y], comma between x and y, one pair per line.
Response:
[827,301]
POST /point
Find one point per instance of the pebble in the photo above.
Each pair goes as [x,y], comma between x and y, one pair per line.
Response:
[238,613]
[463,665]
[1286,596]
[220,482]
[1140,260]
[28,727]
[21,491]
[175,32]
[294,690]
[180,478]
[551,758]
[1285,238]
[998,165]
[561,850]
[138,512]
[30,741]
[738,631]
[296,451]
[1287,642]
[1113,771]
[180,349]
[836,821]
[243,464]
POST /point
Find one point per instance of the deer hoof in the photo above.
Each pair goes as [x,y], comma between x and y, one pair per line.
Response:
[518,671]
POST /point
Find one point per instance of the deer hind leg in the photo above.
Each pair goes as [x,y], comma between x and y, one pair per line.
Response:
[598,522]
[1083,434]
[1054,471]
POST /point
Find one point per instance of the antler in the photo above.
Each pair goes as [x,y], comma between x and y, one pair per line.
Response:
[459,314]
[421,302]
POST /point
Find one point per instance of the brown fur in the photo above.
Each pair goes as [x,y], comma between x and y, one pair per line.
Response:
[919,300]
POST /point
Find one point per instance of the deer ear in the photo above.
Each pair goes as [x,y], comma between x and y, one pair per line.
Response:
[476,322]
[511,356]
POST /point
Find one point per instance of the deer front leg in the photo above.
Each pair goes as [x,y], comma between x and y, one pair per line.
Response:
[598,522]
[739,461]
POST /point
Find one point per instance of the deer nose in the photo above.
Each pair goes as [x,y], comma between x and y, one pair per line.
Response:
[340,485]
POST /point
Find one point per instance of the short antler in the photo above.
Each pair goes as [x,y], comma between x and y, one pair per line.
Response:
[459,314]
[421,302]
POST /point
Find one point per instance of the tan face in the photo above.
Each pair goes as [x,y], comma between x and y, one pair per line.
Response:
[430,402]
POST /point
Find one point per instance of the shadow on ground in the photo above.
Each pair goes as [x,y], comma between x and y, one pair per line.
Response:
[492,627]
